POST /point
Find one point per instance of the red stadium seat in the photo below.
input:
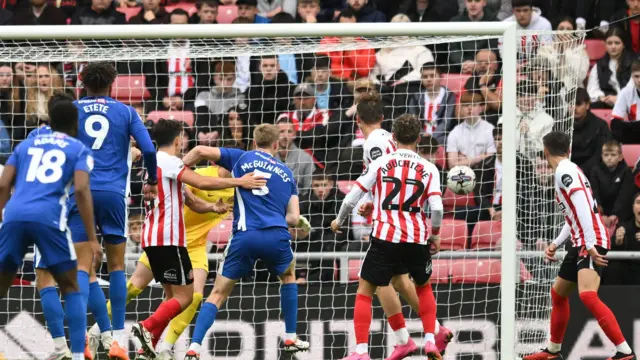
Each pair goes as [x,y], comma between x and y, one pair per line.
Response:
[186,6]
[481,271]
[354,269]
[226,14]
[441,157]
[486,235]
[451,200]
[453,234]
[455,82]
[441,271]
[345,186]
[604,114]
[595,49]
[631,154]
[186,116]
[219,235]
[129,12]
[129,89]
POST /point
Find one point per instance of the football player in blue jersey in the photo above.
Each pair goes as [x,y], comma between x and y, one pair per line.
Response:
[106,127]
[42,169]
[260,231]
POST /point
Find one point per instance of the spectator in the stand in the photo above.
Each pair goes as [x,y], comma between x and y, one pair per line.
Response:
[47,81]
[400,64]
[309,11]
[612,72]
[365,12]
[589,133]
[222,96]
[39,12]
[567,56]
[207,12]
[501,8]
[236,128]
[269,8]
[487,81]
[550,89]
[6,17]
[435,104]
[531,119]
[462,53]
[626,238]
[350,64]
[627,19]
[271,93]
[529,17]
[331,94]
[151,13]
[320,207]
[432,10]
[592,13]
[101,12]
[300,163]
[133,241]
[612,184]
[628,99]
[11,104]
[249,9]
[243,62]
[471,141]
[428,150]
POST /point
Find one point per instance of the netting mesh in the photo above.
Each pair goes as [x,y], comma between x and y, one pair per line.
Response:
[223,88]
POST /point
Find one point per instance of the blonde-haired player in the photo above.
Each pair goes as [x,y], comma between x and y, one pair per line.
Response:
[197,227]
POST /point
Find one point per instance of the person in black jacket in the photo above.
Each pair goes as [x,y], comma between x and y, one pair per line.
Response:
[39,13]
[625,238]
[271,92]
[101,12]
[627,19]
[207,12]
[612,184]
[462,53]
[589,133]
[365,12]
[432,10]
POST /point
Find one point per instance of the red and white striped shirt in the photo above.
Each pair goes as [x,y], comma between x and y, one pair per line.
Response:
[431,107]
[180,70]
[580,210]
[402,183]
[164,223]
[314,118]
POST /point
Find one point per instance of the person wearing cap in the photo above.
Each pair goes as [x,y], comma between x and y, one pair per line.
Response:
[249,9]
[532,121]
[270,91]
[331,94]
[471,141]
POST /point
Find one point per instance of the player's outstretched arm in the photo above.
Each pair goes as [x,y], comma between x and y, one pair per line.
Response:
[201,206]
[85,207]
[349,202]
[201,152]
[6,183]
[293,211]
[143,140]
[248,181]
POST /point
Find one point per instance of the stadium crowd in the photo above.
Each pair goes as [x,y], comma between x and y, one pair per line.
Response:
[454,87]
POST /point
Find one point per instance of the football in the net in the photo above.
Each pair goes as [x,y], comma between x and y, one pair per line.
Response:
[461,179]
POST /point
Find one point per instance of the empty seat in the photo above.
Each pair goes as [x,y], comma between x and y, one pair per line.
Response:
[487,271]
[595,49]
[129,12]
[455,82]
[441,157]
[486,235]
[220,234]
[451,200]
[354,269]
[226,14]
[129,89]
[441,270]
[345,186]
[453,234]
[604,114]
[186,116]
[631,154]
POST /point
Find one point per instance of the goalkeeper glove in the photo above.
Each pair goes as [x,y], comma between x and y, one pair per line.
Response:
[303,224]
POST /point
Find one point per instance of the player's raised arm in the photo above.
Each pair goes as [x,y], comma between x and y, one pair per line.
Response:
[293,211]
[201,152]
[364,183]
[201,206]
[248,181]
[143,140]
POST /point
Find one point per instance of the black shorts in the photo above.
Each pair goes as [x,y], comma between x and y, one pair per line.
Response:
[576,259]
[170,264]
[385,260]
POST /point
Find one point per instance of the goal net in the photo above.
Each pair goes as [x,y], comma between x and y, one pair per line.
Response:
[309,85]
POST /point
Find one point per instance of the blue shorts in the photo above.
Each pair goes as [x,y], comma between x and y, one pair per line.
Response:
[272,246]
[110,211]
[56,251]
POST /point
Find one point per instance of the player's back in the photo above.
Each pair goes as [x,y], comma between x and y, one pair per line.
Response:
[45,165]
[260,208]
[403,183]
[43,130]
[378,143]
[105,127]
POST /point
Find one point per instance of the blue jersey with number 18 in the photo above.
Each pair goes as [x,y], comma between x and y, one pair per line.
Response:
[105,126]
[260,208]
[45,165]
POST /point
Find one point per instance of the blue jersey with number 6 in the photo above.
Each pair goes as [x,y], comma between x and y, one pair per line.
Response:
[105,126]
[260,208]
[45,165]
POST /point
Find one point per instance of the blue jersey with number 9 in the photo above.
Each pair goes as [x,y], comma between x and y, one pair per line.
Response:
[265,207]
[105,126]
[45,165]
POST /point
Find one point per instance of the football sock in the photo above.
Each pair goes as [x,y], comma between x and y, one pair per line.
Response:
[77,356]
[132,293]
[427,308]
[605,318]
[362,321]
[118,296]
[83,285]
[399,327]
[180,322]
[289,306]
[97,306]
[160,319]
[76,312]
[53,312]
[560,312]
[205,320]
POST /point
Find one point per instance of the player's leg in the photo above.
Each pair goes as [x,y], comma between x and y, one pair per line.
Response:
[392,307]
[51,308]
[14,242]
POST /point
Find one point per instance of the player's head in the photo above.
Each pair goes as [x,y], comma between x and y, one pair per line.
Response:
[168,135]
[63,115]
[266,137]
[98,77]
[370,110]
[556,144]
[58,96]
[635,72]
[406,130]
[612,154]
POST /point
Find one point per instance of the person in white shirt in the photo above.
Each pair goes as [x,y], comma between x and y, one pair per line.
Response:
[626,107]
[529,17]
[471,141]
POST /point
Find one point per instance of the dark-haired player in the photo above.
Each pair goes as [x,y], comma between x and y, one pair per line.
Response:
[403,185]
[42,169]
[379,142]
[163,233]
[585,261]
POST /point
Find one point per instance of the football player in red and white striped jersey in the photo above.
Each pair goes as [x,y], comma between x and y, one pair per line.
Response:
[379,142]
[584,262]
[403,184]
[163,232]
